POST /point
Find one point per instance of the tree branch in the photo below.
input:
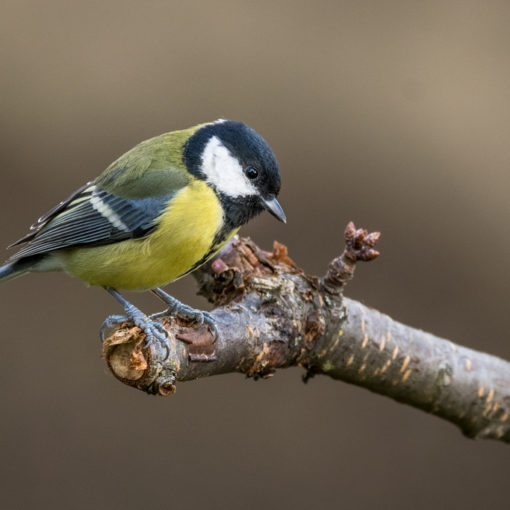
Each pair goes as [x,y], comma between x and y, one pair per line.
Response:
[271,315]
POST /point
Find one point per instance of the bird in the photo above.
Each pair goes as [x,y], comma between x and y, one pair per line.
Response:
[157,213]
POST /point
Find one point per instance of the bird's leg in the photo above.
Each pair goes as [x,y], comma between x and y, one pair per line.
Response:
[175,307]
[152,329]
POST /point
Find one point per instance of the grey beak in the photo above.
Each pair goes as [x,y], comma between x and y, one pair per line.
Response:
[275,209]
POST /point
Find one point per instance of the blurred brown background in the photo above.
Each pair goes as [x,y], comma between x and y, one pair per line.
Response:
[395,114]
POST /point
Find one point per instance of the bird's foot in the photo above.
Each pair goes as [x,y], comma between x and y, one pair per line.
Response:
[154,331]
[176,308]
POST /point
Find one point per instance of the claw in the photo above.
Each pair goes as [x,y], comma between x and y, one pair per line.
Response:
[153,330]
[112,320]
[208,319]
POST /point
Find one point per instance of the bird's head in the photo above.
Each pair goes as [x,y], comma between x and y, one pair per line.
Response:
[239,166]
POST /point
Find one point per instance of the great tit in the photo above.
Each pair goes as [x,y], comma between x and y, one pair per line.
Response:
[155,214]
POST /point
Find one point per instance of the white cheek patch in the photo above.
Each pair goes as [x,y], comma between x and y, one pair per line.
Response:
[224,172]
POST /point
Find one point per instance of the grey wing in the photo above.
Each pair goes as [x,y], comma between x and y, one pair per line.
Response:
[91,217]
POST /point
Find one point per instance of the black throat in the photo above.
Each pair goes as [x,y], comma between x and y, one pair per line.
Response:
[239,210]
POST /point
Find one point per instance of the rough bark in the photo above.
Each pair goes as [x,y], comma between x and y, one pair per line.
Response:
[271,315]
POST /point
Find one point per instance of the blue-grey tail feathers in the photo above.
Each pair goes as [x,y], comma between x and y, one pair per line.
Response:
[16,269]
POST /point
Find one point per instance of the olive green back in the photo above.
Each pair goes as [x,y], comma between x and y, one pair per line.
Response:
[153,167]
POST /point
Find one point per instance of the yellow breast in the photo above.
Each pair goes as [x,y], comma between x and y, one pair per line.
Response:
[184,236]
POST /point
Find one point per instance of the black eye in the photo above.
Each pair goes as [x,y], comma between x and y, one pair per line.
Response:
[251,172]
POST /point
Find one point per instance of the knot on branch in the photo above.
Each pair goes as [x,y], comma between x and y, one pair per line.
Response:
[232,272]
[359,246]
